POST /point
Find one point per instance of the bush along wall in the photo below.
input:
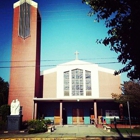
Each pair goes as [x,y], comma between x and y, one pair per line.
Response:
[4,111]
[37,126]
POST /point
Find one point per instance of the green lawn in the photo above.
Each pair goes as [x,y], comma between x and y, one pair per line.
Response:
[126,130]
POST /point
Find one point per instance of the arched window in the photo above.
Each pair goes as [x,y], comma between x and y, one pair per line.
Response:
[77,82]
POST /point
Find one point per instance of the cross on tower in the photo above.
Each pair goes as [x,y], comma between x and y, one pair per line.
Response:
[76,55]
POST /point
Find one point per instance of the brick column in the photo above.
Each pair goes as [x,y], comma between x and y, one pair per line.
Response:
[61,109]
[95,112]
[35,111]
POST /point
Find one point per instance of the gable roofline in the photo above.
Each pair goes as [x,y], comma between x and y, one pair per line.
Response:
[76,63]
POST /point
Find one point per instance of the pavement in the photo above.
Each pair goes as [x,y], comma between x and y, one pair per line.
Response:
[66,132]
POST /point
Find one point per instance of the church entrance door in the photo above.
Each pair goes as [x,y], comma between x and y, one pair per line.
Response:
[57,116]
[78,116]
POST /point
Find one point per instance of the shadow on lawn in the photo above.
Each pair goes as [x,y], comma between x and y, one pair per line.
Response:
[130,137]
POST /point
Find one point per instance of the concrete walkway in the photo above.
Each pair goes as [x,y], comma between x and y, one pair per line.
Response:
[79,132]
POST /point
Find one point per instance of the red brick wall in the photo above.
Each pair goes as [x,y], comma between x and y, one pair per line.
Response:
[25,61]
[38,92]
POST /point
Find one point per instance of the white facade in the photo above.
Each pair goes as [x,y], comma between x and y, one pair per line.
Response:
[84,66]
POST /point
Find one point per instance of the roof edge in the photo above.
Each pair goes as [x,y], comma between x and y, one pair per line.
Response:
[32,3]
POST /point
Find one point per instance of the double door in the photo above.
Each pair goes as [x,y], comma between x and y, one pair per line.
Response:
[78,116]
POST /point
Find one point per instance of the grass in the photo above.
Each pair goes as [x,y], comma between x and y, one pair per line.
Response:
[126,130]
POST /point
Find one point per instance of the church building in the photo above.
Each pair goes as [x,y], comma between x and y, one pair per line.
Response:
[76,92]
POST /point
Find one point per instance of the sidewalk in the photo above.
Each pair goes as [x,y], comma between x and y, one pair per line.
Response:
[79,132]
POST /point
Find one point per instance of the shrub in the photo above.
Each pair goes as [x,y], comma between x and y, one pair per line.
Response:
[4,111]
[25,125]
[36,126]
[47,122]
[2,125]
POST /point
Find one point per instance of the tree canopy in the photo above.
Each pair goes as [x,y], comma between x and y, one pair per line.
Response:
[4,89]
[122,20]
[131,93]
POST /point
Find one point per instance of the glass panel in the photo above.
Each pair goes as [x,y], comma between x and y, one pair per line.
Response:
[73,74]
[81,82]
[77,93]
[66,82]
[73,93]
[77,82]
[81,87]
[77,76]
[66,87]
[88,93]
[81,76]
[81,92]
[88,75]
[73,82]
[77,71]
[73,87]
[77,87]
[66,93]
[88,81]
[66,75]
[88,87]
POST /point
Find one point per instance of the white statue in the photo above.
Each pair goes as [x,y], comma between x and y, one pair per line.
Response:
[15,107]
[12,108]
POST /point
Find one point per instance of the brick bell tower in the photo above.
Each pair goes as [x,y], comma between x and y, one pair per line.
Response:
[25,59]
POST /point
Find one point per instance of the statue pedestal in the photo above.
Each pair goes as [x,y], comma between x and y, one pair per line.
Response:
[14,122]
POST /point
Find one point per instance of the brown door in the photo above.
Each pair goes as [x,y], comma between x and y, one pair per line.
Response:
[57,116]
[78,116]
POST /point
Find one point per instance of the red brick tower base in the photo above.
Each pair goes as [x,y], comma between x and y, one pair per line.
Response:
[25,61]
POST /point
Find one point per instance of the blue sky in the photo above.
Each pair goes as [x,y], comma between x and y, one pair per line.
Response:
[66,28]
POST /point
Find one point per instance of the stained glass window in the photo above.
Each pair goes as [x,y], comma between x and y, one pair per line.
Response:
[77,82]
[88,82]
[24,20]
[66,83]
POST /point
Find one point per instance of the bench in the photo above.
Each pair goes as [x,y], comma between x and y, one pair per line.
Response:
[51,128]
[106,127]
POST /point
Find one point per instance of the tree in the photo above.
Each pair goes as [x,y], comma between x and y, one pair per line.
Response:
[122,20]
[4,89]
[4,111]
[131,93]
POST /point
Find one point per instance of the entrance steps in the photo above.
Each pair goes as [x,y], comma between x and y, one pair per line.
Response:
[78,125]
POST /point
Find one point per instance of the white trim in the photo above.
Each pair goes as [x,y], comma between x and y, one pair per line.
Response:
[32,3]
[69,99]
[106,70]
[48,71]
[76,62]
